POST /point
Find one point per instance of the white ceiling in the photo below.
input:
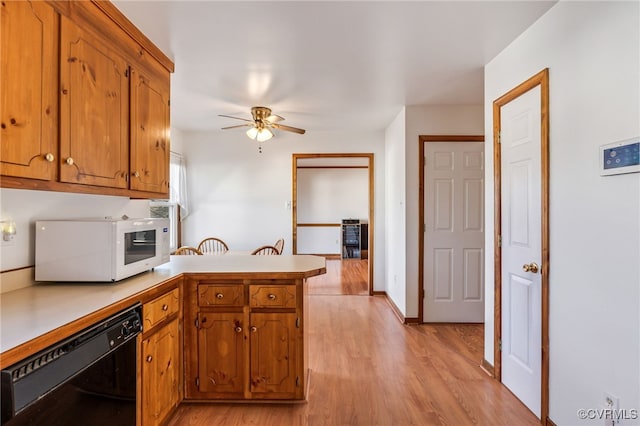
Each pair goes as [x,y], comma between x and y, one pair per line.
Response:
[326,65]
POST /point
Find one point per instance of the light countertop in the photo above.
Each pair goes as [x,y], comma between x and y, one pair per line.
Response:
[35,310]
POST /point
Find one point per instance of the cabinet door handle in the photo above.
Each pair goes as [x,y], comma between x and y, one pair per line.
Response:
[254,329]
[69,161]
[238,329]
[149,358]
[136,174]
[272,297]
[165,307]
[49,157]
[219,295]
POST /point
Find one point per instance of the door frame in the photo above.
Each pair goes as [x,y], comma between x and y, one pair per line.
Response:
[541,79]
[371,227]
[421,140]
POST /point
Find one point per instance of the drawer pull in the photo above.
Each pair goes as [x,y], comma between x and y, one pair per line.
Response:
[272,297]
[238,329]
[165,307]
[254,329]
[149,358]
[219,295]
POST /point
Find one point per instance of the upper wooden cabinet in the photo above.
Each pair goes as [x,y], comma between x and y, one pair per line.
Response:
[94,110]
[150,129]
[111,134]
[28,82]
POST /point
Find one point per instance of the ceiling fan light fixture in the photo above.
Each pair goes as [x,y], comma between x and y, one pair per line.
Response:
[252,132]
[264,134]
[260,134]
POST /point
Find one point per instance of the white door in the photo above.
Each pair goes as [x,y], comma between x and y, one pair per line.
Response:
[521,247]
[454,232]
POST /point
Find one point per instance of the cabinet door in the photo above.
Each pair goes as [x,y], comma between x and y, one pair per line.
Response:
[94,102]
[274,354]
[160,374]
[28,80]
[150,131]
[221,361]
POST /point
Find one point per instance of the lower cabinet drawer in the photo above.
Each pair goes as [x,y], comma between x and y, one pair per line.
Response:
[160,308]
[272,296]
[221,295]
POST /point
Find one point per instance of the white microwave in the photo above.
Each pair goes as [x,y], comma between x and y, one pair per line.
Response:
[99,249]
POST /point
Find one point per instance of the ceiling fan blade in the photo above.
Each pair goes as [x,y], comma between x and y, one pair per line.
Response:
[239,125]
[273,118]
[237,118]
[288,128]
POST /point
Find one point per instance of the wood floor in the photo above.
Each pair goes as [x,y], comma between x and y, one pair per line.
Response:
[346,276]
[369,369]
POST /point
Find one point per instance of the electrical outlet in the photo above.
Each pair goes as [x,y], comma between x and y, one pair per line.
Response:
[287,205]
[612,404]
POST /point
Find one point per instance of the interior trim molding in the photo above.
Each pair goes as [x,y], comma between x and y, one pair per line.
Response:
[487,366]
[540,79]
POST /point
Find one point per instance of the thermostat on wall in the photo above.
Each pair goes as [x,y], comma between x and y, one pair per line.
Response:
[620,157]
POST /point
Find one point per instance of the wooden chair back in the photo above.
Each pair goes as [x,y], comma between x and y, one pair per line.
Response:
[187,251]
[265,250]
[212,245]
[279,245]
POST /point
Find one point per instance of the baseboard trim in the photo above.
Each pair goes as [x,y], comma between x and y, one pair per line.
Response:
[487,367]
[550,422]
[396,311]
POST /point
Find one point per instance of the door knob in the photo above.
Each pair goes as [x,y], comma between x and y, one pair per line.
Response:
[531,267]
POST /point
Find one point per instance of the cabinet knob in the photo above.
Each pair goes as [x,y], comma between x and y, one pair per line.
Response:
[219,295]
[69,161]
[49,157]
[254,329]
[272,297]
[165,307]
[238,329]
[149,358]
[136,174]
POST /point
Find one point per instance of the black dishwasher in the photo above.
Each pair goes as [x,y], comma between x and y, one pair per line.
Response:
[88,378]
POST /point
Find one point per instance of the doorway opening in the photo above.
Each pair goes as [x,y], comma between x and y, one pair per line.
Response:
[333,216]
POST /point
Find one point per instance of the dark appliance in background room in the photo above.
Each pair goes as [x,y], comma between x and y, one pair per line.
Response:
[88,378]
[355,239]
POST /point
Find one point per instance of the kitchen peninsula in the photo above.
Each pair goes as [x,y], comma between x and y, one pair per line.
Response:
[235,323]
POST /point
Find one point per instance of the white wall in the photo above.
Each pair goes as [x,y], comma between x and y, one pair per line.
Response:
[26,206]
[395,226]
[240,195]
[592,50]
[402,138]
[328,195]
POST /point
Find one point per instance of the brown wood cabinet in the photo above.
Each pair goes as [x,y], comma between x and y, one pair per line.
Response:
[29,100]
[111,133]
[160,358]
[150,129]
[94,113]
[246,342]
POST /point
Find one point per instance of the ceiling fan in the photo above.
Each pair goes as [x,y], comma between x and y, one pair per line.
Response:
[262,123]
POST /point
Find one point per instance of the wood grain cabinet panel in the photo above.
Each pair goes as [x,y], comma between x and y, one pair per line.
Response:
[150,130]
[28,80]
[221,345]
[279,296]
[273,354]
[221,295]
[160,374]
[160,308]
[160,358]
[94,100]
